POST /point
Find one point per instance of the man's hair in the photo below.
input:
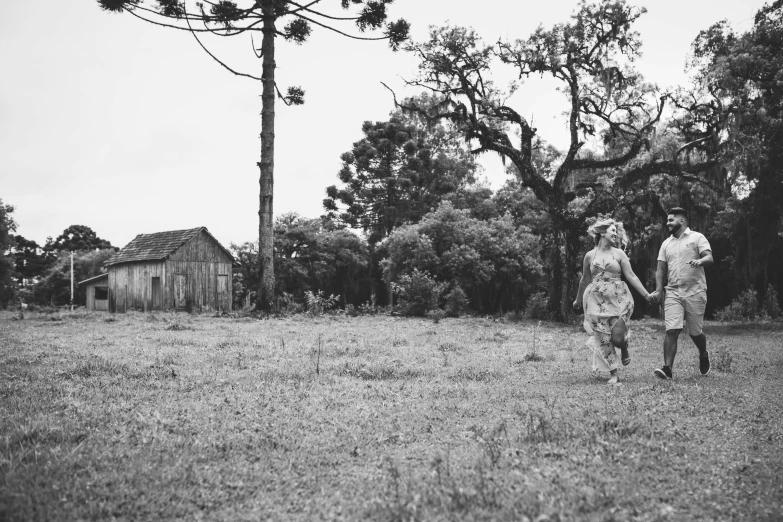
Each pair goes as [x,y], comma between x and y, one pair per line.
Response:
[678,211]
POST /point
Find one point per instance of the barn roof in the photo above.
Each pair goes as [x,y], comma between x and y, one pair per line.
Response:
[90,280]
[160,245]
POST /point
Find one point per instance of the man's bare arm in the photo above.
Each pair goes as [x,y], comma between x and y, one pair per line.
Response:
[705,260]
[661,275]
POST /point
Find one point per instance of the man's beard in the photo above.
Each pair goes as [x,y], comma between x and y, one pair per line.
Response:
[675,228]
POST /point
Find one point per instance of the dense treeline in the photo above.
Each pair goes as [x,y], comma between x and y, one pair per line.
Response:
[41,275]
[428,234]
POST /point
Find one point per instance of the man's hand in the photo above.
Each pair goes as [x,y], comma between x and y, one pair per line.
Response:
[653,297]
[695,262]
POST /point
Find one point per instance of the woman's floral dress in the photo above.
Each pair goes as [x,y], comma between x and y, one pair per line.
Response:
[605,301]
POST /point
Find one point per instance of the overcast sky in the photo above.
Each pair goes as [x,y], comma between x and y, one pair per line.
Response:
[127,128]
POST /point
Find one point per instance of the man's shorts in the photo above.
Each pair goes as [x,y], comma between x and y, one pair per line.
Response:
[689,310]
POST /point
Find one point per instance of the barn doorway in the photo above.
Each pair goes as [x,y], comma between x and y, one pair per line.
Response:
[101,299]
[224,293]
[180,293]
[157,303]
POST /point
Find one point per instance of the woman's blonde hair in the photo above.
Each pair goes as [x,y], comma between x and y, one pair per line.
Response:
[602,225]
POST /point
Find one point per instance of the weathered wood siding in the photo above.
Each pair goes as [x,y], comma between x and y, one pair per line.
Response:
[199,249]
[130,285]
[204,271]
[90,291]
[93,304]
[201,260]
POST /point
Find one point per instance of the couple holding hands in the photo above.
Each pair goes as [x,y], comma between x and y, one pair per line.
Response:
[608,303]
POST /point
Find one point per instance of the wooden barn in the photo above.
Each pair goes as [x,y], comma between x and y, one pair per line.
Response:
[177,270]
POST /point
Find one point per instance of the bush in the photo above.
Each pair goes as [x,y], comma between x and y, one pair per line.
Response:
[418,292]
[537,307]
[456,302]
[771,304]
[318,303]
[287,304]
[745,307]
[436,315]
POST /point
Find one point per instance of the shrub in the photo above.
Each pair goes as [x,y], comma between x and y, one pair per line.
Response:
[537,306]
[744,307]
[456,302]
[286,304]
[771,304]
[436,315]
[418,292]
[318,303]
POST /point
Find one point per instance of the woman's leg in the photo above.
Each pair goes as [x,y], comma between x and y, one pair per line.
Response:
[620,339]
[610,358]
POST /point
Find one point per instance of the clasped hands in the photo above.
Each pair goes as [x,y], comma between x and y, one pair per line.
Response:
[653,298]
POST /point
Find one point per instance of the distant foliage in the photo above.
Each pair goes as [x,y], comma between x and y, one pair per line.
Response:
[54,287]
[418,293]
[744,308]
[7,226]
[78,237]
[537,307]
[309,255]
[400,170]
[771,304]
[456,302]
[492,261]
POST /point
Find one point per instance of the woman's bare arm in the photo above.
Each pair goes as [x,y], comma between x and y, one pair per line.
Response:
[625,264]
[587,278]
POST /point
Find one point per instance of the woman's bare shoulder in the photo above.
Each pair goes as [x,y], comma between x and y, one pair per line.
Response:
[620,254]
[589,255]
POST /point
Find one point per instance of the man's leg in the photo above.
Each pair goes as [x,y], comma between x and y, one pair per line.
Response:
[670,346]
[694,318]
[673,319]
[701,343]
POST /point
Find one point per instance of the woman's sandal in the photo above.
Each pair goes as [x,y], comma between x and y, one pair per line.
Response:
[614,379]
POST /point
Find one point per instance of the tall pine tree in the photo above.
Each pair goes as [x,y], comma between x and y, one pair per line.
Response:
[230,18]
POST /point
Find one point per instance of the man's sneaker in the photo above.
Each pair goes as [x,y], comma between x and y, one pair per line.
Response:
[663,373]
[704,363]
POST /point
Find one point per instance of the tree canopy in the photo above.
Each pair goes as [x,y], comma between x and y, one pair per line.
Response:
[397,173]
[78,237]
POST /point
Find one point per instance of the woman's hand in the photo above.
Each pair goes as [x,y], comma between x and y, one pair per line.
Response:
[577,305]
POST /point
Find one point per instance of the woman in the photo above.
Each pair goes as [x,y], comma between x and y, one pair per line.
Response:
[607,303]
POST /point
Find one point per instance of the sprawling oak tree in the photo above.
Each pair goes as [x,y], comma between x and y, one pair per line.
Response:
[612,116]
[236,18]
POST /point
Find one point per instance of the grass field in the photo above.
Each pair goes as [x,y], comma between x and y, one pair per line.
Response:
[177,417]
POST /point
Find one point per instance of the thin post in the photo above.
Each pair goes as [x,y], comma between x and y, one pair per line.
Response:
[71,281]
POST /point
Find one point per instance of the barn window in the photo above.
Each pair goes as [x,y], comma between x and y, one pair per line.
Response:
[101,292]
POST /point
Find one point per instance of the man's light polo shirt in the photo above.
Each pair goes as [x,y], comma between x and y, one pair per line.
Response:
[683,279]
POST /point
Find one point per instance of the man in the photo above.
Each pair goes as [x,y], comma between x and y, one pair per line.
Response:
[681,263]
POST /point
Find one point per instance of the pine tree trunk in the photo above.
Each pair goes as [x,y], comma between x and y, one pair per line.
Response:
[266,280]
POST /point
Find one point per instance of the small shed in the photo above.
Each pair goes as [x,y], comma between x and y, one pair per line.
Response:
[97,289]
[175,270]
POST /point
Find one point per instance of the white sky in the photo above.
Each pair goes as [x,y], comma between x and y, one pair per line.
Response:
[108,122]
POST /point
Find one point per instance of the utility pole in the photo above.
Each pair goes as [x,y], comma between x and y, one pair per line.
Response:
[71,281]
